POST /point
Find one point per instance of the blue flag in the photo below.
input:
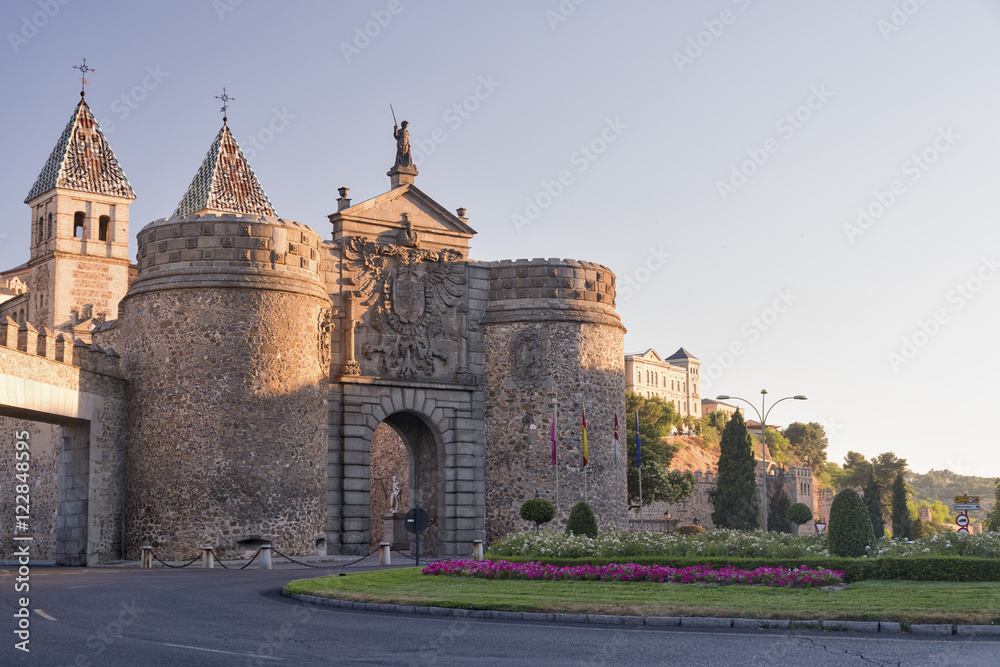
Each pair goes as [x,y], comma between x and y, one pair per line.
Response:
[638,444]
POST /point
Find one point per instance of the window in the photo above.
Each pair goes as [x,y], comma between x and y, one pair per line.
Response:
[78,225]
[50,226]
[41,222]
[102,227]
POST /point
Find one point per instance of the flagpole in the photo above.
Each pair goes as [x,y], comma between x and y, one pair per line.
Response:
[638,461]
[555,458]
[586,453]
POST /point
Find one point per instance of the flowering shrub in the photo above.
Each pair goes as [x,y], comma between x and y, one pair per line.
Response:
[728,543]
[767,576]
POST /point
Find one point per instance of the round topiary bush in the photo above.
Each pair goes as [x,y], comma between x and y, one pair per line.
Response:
[850,531]
[538,510]
[582,520]
[689,530]
[799,513]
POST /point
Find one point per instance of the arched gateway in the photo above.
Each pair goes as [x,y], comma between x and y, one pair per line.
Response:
[259,357]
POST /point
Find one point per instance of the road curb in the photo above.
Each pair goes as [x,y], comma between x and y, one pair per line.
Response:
[869,627]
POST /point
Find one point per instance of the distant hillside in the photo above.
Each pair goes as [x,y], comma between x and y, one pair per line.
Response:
[944,485]
[694,454]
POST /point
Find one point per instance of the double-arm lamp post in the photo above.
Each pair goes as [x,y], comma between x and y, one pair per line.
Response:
[762,416]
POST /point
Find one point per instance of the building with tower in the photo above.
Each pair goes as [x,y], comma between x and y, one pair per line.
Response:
[676,379]
[227,388]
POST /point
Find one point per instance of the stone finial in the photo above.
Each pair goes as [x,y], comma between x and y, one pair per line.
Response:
[461,214]
[343,201]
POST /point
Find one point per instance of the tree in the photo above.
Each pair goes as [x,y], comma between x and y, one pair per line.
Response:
[799,514]
[656,419]
[992,521]
[538,510]
[777,518]
[857,470]
[901,523]
[809,442]
[779,446]
[582,520]
[850,532]
[873,501]
[735,502]
[887,466]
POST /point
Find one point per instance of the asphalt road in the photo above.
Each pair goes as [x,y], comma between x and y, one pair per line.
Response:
[105,616]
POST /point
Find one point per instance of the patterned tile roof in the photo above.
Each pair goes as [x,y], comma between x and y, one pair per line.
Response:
[225,182]
[82,160]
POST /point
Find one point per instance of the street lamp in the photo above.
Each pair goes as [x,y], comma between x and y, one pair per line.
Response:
[762,416]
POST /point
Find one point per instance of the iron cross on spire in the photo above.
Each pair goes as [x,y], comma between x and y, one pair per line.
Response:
[83,78]
[226,99]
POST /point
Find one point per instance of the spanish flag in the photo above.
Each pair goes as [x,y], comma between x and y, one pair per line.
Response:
[586,453]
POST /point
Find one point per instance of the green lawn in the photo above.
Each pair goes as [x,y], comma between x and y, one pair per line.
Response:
[903,601]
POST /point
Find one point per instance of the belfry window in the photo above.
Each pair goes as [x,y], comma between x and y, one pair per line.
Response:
[78,225]
[102,228]
[50,227]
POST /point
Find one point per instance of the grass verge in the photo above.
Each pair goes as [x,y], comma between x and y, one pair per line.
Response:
[906,602]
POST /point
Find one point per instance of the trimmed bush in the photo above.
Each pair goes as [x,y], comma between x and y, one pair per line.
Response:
[689,530]
[538,511]
[850,531]
[799,513]
[582,520]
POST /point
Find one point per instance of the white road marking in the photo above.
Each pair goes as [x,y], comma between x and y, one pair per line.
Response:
[44,615]
[86,586]
[212,650]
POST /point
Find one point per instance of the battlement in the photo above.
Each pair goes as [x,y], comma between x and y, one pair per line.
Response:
[228,250]
[59,347]
[551,289]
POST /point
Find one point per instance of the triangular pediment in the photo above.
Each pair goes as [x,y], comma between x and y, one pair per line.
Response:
[421,211]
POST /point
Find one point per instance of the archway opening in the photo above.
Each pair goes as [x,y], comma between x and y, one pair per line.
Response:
[406,436]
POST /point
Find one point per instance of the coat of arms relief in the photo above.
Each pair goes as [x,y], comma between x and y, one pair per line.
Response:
[413,296]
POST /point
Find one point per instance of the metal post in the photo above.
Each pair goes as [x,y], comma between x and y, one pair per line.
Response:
[265,556]
[384,555]
[147,557]
[477,550]
[207,559]
[763,451]
[417,535]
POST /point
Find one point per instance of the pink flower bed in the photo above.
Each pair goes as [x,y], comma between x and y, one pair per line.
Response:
[766,576]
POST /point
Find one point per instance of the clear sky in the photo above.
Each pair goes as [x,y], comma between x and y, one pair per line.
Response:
[801,194]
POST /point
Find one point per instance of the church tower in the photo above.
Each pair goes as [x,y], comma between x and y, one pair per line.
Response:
[79,204]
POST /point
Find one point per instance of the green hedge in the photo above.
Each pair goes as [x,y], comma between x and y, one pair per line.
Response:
[926,568]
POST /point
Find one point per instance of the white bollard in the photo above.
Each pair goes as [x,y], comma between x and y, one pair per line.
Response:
[384,556]
[147,557]
[477,549]
[207,559]
[265,557]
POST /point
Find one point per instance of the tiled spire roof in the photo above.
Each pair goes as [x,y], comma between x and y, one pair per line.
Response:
[225,182]
[82,160]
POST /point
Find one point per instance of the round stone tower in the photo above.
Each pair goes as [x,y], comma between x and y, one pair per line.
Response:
[553,341]
[226,335]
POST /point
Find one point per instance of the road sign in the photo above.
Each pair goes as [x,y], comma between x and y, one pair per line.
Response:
[965,507]
[962,520]
[973,500]
[963,529]
[416,520]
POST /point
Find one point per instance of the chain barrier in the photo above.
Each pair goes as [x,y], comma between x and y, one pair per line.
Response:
[321,567]
[252,559]
[176,567]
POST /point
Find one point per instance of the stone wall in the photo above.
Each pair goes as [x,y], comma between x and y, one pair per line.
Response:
[43,440]
[48,379]
[552,337]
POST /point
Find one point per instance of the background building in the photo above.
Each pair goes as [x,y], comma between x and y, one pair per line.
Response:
[676,379]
